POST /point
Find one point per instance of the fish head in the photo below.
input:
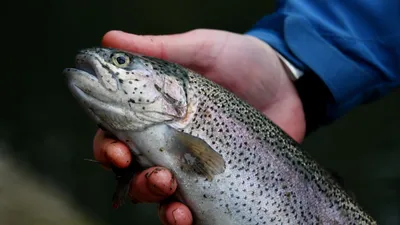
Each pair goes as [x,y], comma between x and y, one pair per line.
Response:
[127,91]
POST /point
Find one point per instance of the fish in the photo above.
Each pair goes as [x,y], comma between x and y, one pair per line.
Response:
[232,164]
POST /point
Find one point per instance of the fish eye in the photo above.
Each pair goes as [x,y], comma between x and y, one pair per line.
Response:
[120,60]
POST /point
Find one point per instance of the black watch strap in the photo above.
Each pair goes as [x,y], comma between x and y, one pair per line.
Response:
[315,97]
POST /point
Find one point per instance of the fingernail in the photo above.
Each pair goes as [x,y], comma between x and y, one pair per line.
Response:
[175,214]
[153,187]
[155,171]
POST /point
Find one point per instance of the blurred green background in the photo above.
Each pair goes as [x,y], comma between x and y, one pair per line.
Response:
[44,134]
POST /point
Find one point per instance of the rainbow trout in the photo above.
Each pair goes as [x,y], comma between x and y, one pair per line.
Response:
[233,165]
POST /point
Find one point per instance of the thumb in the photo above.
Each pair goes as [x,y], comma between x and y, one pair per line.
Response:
[195,49]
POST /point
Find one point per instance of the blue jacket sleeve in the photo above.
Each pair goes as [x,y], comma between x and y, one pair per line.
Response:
[352,46]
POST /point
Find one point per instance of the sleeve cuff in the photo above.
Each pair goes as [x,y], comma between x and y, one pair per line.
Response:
[349,82]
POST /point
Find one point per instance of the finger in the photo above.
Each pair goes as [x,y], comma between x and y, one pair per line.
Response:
[153,185]
[194,49]
[175,213]
[109,151]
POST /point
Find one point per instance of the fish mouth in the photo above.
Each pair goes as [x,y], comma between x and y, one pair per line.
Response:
[84,79]
[87,67]
[86,64]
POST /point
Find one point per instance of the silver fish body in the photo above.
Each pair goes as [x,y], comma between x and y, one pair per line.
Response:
[232,164]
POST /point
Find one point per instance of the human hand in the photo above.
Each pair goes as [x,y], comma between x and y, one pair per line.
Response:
[243,64]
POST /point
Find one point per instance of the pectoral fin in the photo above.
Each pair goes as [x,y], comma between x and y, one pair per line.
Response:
[124,178]
[199,156]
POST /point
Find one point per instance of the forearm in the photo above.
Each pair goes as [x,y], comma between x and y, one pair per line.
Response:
[346,61]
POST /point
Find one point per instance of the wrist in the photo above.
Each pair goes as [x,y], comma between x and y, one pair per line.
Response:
[284,107]
[311,93]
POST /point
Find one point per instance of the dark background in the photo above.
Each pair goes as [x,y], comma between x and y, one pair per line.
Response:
[44,134]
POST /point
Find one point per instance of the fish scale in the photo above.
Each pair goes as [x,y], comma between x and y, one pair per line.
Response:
[268,179]
[233,165]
